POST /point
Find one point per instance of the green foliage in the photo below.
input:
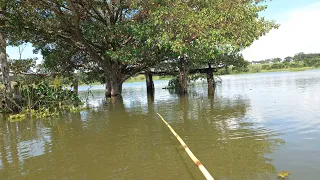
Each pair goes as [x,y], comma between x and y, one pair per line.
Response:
[276,60]
[19,66]
[240,69]
[44,96]
[174,84]
[299,57]
[295,65]
[283,174]
[265,67]
[299,60]
[17,117]
[74,109]
[312,61]
[42,100]
[277,66]
[41,113]
[288,59]
[122,38]
[256,69]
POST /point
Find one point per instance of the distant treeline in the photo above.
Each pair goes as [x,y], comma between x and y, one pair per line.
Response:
[312,59]
[298,62]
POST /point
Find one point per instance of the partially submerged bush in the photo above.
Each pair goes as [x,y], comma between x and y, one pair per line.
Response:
[17,117]
[48,97]
[173,84]
[41,100]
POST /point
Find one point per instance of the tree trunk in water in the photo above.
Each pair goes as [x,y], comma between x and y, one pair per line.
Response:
[210,81]
[116,87]
[150,99]
[114,79]
[108,87]
[149,83]
[3,149]
[183,76]
[4,63]
[76,85]
[17,94]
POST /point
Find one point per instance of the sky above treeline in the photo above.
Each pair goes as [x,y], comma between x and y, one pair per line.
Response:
[299,31]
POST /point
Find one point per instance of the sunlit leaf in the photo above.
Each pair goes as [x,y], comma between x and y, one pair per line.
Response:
[283,174]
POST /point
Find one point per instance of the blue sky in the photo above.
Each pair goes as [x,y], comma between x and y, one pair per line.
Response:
[276,8]
[299,32]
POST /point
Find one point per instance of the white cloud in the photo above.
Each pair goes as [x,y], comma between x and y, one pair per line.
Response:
[299,32]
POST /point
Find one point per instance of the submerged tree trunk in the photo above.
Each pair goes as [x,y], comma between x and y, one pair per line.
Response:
[4,62]
[76,85]
[150,99]
[210,81]
[149,83]
[116,89]
[108,87]
[116,86]
[183,76]
[114,79]
[17,94]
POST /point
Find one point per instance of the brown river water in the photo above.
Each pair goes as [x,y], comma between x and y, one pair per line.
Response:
[255,126]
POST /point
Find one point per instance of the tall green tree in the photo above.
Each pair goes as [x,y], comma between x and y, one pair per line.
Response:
[299,56]
[124,37]
[204,30]
[276,60]
[3,53]
[288,59]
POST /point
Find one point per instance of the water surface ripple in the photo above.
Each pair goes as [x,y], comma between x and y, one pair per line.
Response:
[254,126]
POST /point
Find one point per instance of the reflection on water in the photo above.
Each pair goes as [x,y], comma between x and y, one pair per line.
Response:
[255,126]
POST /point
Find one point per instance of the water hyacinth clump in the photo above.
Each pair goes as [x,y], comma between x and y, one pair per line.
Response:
[41,100]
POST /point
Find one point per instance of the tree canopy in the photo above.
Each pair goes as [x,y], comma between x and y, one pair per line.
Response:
[123,37]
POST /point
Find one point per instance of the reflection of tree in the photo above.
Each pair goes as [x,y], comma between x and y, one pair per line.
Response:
[117,142]
[215,130]
[20,143]
[306,82]
[3,152]
[13,146]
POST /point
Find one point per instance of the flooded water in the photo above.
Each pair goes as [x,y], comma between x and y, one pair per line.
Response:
[255,126]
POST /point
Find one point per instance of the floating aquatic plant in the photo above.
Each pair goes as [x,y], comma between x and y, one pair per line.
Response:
[16,117]
[283,174]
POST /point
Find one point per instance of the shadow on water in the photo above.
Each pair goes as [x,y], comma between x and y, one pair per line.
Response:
[127,140]
[216,130]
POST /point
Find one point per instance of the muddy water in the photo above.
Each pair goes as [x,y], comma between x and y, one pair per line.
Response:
[255,126]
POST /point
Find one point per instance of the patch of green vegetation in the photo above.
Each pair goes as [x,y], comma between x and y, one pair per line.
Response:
[44,113]
[283,174]
[74,109]
[302,69]
[17,117]
[261,68]
[41,100]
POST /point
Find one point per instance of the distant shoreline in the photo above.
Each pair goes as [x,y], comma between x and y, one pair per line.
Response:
[140,78]
[276,70]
